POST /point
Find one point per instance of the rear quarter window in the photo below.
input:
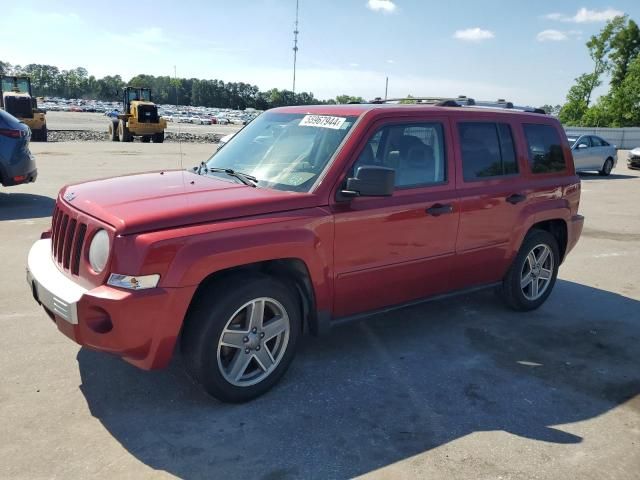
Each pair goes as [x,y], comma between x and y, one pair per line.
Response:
[544,149]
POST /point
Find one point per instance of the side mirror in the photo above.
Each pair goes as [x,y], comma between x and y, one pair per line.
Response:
[370,181]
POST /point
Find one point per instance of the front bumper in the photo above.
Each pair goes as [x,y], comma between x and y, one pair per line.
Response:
[52,289]
[139,326]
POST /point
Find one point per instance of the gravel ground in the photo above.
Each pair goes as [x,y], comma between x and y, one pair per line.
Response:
[453,389]
[96,136]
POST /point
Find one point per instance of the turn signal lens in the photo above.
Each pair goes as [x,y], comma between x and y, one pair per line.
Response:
[133,282]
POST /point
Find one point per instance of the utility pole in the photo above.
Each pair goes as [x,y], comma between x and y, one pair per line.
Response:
[295,48]
[175,83]
[386,88]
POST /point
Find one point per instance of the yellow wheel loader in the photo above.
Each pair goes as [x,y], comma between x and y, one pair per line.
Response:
[18,101]
[140,118]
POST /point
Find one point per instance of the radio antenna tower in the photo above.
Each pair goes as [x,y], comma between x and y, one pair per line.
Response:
[295,47]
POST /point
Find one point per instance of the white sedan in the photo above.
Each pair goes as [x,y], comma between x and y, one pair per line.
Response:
[592,153]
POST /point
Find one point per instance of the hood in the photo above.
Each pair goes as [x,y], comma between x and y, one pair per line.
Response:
[635,152]
[159,200]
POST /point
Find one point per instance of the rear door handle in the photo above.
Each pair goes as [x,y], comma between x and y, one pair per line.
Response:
[516,198]
[439,209]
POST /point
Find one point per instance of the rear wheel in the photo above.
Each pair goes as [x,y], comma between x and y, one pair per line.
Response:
[607,167]
[240,338]
[113,131]
[533,272]
[39,135]
[158,137]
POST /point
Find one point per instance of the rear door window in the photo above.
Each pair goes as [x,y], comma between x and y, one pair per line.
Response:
[488,150]
[544,148]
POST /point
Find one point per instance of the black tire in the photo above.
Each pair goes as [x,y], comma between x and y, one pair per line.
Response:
[123,132]
[113,131]
[39,135]
[145,139]
[606,167]
[207,320]
[158,137]
[511,290]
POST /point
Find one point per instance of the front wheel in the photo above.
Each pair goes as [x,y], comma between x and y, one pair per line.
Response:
[123,132]
[533,272]
[158,137]
[241,336]
[607,167]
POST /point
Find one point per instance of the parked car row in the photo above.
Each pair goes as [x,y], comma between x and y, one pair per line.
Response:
[208,119]
[195,115]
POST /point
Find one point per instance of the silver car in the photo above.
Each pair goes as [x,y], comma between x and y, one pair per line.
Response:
[592,153]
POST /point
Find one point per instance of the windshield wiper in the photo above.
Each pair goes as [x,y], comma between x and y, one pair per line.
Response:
[245,178]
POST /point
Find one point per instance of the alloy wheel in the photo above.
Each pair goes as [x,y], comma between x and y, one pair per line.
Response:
[537,272]
[253,342]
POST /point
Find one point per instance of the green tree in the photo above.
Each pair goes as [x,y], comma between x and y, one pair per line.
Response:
[5,68]
[551,109]
[577,100]
[625,47]
[341,99]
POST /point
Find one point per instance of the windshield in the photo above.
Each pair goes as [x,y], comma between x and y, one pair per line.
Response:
[22,85]
[285,151]
[143,94]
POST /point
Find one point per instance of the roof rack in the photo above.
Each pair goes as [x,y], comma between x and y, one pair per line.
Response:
[459,101]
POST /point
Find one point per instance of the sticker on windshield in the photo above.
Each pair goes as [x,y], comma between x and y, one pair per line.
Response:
[322,121]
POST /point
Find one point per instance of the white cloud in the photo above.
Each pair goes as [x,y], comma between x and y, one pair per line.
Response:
[584,15]
[354,65]
[386,6]
[476,34]
[551,36]
[391,61]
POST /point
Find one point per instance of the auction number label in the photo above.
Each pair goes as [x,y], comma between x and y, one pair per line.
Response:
[322,121]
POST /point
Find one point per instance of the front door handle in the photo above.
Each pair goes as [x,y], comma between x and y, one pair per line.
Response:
[516,198]
[439,209]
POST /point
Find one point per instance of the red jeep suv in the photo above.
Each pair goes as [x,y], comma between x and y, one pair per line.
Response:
[308,215]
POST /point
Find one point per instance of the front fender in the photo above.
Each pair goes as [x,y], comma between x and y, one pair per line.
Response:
[203,250]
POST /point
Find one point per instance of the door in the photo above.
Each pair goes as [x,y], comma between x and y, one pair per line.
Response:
[393,250]
[492,195]
[599,153]
[582,154]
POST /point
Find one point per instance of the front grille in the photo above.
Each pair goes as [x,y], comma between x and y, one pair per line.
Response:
[67,240]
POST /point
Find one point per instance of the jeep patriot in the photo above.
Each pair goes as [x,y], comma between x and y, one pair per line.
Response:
[309,215]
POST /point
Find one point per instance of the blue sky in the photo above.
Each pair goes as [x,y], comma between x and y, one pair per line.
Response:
[528,52]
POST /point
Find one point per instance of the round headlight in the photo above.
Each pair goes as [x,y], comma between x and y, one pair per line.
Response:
[99,251]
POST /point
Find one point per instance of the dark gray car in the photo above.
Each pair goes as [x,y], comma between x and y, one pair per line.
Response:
[17,164]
